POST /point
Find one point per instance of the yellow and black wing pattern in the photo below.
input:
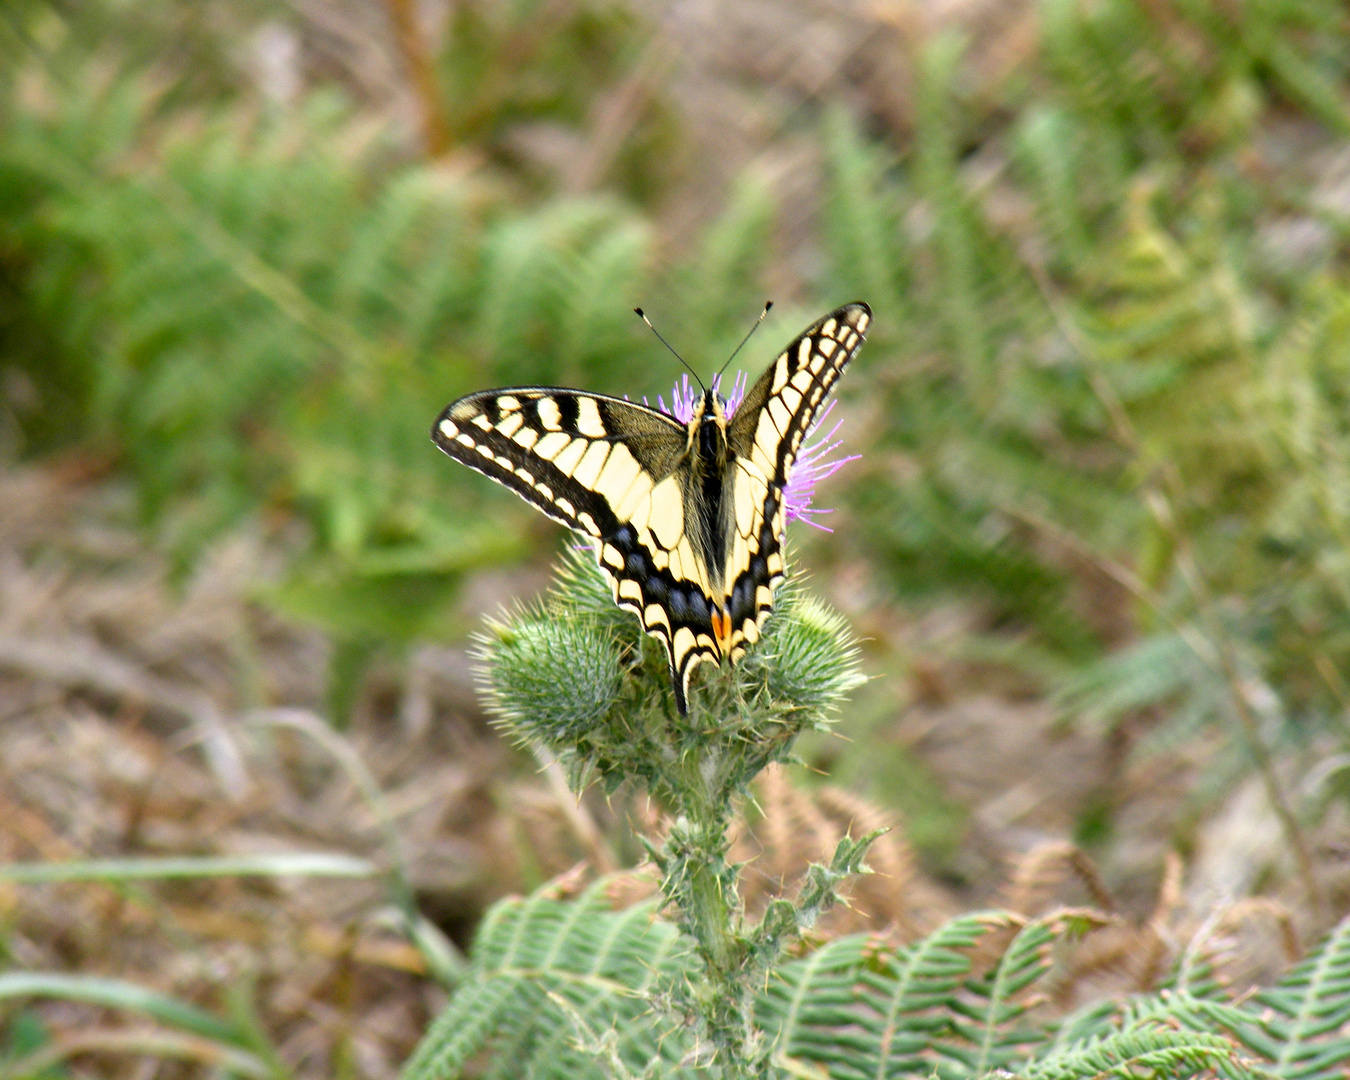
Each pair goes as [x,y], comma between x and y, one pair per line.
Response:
[764,437]
[687,519]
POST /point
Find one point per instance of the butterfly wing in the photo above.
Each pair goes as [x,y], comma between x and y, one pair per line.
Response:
[765,435]
[611,469]
[621,474]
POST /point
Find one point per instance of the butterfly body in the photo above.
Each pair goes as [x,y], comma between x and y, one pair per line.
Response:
[687,519]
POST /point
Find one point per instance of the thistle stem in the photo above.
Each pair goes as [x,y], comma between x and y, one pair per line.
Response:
[698,881]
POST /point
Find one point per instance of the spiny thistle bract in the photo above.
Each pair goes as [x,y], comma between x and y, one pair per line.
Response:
[574,674]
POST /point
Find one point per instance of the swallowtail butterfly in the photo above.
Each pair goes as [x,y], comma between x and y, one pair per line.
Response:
[686,519]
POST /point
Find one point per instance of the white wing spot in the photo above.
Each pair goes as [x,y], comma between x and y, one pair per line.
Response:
[525,437]
[565,505]
[616,478]
[551,444]
[464,440]
[548,414]
[781,417]
[828,345]
[588,523]
[684,642]
[510,424]
[745,510]
[508,403]
[861,322]
[655,615]
[828,328]
[588,471]
[780,374]
[639,490]
[803,352]
[766,442]
[483,422]
[667,514]
[566,461]
[448,429]
[588,419]
[630,590]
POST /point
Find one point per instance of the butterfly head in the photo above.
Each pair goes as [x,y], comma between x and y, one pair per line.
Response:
[713,407]
[708,427]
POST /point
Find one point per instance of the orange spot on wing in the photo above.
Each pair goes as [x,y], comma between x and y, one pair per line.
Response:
[721,624]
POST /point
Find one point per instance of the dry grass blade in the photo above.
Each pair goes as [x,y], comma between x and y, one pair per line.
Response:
[796,827]
[298,863]
[142,1042]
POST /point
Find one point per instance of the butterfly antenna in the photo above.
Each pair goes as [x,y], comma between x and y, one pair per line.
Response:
[643,316]
[767,305]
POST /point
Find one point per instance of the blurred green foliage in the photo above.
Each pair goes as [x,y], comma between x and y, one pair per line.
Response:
[1116,401]
[258,311]
[1107,387]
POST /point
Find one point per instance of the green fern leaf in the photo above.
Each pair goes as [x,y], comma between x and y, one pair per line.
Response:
[540,966]
[857,1010]
[997,1037]
[1302,1025]
[1154,1051]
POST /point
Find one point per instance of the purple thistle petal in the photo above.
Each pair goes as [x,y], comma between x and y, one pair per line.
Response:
[810,469]
[737,394]
[811,466]
[682,401]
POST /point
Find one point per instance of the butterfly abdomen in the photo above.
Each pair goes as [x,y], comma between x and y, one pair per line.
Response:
[706,500]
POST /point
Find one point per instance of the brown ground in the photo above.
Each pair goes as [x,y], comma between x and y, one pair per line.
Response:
[142,717]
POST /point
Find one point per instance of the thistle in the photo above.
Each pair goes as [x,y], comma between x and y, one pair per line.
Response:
[575,675]
[683,510]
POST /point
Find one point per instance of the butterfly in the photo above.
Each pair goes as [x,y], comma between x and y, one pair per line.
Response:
[686,519]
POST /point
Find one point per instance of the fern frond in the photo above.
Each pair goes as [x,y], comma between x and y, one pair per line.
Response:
[1302,1025]
[855,1008]
[1154,1051]
[997,1038]
[539,966]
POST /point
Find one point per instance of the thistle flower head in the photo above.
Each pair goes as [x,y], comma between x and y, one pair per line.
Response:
[814,462]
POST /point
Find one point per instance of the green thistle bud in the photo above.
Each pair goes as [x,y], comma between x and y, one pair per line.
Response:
[808,661]
[550,679]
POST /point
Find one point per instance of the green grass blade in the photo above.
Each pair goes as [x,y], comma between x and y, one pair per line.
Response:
[299,864]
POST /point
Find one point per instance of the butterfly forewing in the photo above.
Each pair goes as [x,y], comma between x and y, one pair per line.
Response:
[635,482]
[765,435]
[610,469]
